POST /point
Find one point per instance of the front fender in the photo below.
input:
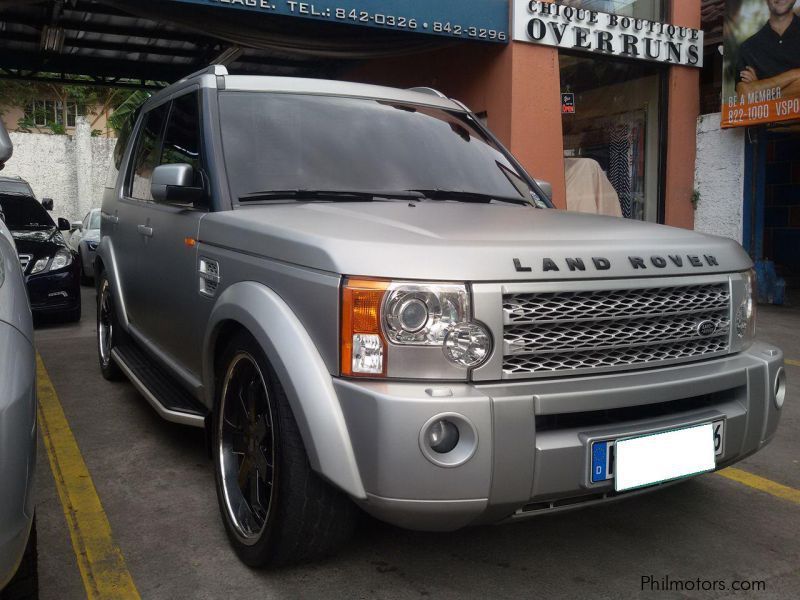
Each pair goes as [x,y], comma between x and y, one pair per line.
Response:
[301,371]
[105,255]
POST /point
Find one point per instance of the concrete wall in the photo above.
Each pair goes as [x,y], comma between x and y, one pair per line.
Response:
[71,170]
[719,177]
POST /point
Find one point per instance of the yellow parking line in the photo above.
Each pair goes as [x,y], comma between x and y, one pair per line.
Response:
[794,363]
[100,560]
[762,484]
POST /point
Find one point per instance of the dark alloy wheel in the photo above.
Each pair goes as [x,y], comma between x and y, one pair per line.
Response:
[246,448]
[275,508]
[108,330]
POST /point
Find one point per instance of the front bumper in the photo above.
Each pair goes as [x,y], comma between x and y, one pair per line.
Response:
[533,438]
[54,292]
[17,446]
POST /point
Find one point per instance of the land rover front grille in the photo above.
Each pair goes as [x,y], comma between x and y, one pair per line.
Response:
[570,332]
[24,261]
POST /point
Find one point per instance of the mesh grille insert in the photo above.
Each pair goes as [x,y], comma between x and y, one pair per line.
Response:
[561,333]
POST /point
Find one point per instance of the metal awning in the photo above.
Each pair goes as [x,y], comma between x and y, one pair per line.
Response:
[133,42]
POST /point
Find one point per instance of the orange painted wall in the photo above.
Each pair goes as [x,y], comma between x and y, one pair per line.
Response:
[684,109]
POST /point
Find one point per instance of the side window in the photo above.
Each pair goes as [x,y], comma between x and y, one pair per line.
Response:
[182,136]
[145,159]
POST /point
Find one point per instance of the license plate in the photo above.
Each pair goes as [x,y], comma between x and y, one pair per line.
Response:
[604,454]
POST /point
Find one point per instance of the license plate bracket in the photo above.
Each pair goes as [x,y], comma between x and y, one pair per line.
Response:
[602,465]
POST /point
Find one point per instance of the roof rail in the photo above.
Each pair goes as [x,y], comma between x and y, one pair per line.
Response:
[218,70]
[428,90]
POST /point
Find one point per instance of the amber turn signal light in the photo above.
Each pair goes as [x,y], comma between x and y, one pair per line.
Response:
[363,346]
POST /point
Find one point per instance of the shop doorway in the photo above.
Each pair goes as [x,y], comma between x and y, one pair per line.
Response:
[612,139]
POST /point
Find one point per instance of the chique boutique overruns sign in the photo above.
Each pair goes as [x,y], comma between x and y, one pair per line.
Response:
[587,30]
[479,20]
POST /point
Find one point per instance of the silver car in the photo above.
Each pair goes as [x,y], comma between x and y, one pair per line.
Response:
[84,240]
[17,421]
[366,300]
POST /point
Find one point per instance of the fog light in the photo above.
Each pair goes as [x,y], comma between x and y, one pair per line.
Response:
[467,345]
[780,388]
[443,436]
[448,440]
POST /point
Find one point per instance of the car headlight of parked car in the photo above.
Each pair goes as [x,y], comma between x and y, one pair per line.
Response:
[393,322]
[92,245]
[61,260]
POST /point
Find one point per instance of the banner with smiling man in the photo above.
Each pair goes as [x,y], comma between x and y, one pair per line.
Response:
[761,81]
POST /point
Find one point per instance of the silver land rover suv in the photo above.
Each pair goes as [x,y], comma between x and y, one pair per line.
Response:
[367,302]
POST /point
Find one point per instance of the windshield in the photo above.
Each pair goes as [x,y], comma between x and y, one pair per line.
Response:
[288,142]
[94,220]
[24,212]
[15,187]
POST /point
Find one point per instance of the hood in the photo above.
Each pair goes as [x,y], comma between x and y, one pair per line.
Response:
[471,242]
[39,243]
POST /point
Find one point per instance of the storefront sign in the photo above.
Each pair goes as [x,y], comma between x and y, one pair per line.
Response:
[761,76]
[567,104]
[486,20]
[587,30]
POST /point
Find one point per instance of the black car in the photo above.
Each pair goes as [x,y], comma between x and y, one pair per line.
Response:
[51,267]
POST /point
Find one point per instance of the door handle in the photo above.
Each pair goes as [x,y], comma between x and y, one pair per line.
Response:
[145,231]
[111,218]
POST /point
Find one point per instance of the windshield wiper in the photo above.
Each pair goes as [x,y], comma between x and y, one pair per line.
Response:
[329,195]
[460,196]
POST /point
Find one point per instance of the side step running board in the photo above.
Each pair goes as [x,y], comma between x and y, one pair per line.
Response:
[167,397]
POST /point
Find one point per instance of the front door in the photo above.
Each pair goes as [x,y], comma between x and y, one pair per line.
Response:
[175,318]
[131,210]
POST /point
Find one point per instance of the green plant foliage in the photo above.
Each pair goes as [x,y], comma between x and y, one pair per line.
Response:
[695,199]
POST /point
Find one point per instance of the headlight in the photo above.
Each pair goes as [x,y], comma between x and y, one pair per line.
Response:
[744,325]
[62,259]
[40,265]
[92,245]
[423,330]
[422,315]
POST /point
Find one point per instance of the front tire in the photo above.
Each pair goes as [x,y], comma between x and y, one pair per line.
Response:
[108,330]
[275,508]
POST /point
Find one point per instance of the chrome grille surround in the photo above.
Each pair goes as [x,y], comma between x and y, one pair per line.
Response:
[25,261]
[551,333]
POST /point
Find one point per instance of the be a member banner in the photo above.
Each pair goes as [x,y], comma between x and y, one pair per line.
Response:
[761,80]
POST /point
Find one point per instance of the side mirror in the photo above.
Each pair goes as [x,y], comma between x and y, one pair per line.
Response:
[175,184]
[546,187]
[6,147]
[47,203]
[76,226]
[63,224]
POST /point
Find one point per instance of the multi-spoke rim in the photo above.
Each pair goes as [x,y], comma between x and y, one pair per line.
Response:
[246,448]
[105,325]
